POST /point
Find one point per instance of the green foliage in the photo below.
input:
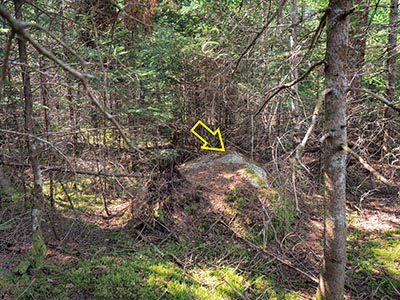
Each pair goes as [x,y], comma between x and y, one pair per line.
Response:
[283,210]
[159,113]
[23,267]
[38,250]
[36,256]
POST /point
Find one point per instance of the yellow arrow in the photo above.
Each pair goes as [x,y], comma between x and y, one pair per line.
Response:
[205,147]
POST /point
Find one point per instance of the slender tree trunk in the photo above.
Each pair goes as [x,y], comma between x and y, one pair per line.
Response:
[357,47]
[70,98]
[391,67]
[45,98]
[331,286]
[294,61]
[38,248]
[391,50]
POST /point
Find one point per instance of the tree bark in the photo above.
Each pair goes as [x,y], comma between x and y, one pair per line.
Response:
[294,62]
[331,286]
[357,47]
[5,186]
[390,68]
[39,249]
[391,50]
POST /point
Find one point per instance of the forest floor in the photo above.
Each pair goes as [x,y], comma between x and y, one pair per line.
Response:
[185,246]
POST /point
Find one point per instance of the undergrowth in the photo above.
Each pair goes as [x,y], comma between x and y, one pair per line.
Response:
[145,274]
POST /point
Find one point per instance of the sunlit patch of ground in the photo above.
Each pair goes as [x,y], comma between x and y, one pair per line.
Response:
[373,221]
[374,245]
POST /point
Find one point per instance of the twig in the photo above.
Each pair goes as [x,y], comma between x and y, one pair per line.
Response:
[38,139]
[235,289]
[92,173]
[65,46]
[162,295]
[24,291]
[300,148]
[67,195]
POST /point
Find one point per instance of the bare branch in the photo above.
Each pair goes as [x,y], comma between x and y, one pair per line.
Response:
[38,139]
[65,46]
[300,148]
[376,96]
[367,166]
[74,171]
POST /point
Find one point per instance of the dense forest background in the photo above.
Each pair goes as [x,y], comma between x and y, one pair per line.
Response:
[97,100]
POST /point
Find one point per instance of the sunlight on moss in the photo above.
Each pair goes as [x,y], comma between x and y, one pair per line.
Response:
[162,273]
[377,257]
[388,252]
[146,276]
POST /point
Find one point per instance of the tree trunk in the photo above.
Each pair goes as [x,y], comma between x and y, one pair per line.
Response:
[38,250]
[331,286]
[391,50]
[46,118]
[294,62]
[391,67]
[357,46]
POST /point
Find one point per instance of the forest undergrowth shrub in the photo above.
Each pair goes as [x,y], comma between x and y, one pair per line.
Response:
[277,207]
[282,211]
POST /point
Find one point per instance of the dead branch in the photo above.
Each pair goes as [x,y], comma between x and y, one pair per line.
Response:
[288,85]
[300,148]
[376,96]
[243,297]
[65,46]
[367,166]
[92,173]
[282,260]
[38,139]
[75,171]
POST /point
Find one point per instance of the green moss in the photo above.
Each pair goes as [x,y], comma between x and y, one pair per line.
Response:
[252,175]
[238,197]
[38,250]
[145,275]
[375,257]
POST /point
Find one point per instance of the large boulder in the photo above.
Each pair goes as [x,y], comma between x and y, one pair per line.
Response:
[231,189]
[232,164]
